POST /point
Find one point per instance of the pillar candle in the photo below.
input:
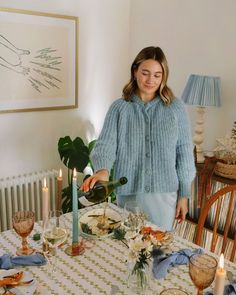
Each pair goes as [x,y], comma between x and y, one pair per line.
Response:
[220,277]
[45,203]
[75,230]
[59,189]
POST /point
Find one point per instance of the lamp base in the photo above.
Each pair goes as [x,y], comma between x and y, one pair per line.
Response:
[199,132]
[200,157]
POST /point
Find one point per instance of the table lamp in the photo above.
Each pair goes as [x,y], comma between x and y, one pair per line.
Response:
[201,91]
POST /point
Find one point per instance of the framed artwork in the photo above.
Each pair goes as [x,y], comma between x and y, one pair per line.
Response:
[38,61]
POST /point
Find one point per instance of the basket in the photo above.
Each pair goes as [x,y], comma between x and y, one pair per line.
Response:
[225,170]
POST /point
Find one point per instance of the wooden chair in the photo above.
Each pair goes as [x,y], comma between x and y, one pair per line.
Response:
[217,198]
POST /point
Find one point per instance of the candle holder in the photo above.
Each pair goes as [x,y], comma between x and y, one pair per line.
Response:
[76,249]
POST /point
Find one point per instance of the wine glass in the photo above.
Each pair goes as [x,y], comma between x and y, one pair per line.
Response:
[202,269]
[54,234]
[23,224]
[133,215]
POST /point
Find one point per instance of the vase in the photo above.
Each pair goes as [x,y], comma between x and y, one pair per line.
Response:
[138,279]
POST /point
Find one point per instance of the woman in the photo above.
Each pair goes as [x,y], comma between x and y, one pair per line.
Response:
[146,137]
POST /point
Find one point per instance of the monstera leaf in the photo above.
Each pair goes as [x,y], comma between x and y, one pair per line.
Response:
[74,154]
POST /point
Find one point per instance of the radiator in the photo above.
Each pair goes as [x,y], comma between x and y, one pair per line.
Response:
[24,192]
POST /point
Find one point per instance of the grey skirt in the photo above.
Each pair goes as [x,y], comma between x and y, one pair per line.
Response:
[160,208]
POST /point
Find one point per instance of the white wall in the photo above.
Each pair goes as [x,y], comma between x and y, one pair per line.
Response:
[198,37]
[28,141]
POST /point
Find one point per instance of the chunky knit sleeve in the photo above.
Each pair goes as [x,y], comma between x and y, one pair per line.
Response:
[104,152]
[185,165]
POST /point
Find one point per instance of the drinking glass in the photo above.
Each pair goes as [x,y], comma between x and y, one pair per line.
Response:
[23,224]
[55,234]
[202,269]
[133,215]
[173,291]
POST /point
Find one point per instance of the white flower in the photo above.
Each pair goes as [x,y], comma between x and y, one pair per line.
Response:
[136,244]
[130,235]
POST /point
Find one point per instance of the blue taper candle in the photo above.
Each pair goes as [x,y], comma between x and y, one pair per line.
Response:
[75,229]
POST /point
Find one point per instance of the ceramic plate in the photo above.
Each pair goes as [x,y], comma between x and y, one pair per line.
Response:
[20,290]
[89,223]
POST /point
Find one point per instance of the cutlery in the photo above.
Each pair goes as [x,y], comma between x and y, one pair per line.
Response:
[7,288]
[7,292]
[14,284]
[17,275]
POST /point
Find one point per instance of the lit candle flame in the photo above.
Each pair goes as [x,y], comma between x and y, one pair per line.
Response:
[74,173]
[60,173]
[221,262]
[44,182]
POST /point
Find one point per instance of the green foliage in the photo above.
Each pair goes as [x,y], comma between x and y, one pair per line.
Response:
[119,233]
[74,154]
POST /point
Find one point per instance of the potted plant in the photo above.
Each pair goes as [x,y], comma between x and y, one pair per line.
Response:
[74,154]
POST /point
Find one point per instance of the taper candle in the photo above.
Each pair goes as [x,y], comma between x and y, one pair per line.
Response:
[75,229]
[59,189]
[220,277]
[45,203]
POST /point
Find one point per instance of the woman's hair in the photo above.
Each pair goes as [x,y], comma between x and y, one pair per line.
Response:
[157,54]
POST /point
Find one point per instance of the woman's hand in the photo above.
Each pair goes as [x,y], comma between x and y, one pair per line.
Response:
[101,175]
[181,209]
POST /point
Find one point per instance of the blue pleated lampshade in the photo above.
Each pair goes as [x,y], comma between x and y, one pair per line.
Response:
[202,91]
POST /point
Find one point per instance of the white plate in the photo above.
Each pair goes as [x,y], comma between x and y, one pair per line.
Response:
[92,221]
[20,290]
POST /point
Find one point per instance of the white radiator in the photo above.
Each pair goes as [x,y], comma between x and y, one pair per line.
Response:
[25,193]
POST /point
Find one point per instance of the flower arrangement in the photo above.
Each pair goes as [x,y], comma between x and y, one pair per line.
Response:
[141,244]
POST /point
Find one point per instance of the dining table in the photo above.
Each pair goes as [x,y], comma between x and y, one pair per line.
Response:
[101,268]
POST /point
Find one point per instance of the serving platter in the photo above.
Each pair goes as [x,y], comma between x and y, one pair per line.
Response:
[94,224]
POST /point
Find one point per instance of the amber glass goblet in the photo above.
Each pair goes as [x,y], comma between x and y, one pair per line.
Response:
[23,224]
[202,269]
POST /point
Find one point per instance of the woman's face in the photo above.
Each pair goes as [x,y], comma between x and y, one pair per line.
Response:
[148,76]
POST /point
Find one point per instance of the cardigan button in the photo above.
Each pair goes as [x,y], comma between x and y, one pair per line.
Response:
[148,155]
[148,171]
[147,188]
[147,137]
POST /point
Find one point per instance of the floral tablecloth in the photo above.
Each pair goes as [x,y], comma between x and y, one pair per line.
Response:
[100,269]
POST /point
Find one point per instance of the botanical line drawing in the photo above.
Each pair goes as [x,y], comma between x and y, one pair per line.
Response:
[41,68]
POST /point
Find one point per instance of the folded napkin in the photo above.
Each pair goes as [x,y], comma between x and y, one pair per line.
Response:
[163,262]
[7,261]
[228,290]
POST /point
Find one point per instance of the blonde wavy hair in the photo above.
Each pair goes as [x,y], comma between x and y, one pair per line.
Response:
[157,54]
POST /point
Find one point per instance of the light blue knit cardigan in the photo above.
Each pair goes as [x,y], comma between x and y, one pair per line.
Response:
[149,143]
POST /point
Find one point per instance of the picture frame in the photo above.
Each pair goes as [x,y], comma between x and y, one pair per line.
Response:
[38,61]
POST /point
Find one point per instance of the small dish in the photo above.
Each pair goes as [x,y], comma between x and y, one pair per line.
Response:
[20,290]
[89,223]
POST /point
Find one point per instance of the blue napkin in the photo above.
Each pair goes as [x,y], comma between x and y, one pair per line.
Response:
[228,290]
[7,261]
[162,262]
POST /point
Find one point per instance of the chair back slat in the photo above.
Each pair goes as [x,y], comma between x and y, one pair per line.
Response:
[234,249]
[215,225]
[217,198]
[228,220]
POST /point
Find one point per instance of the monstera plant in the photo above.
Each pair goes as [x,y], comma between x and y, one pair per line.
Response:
[74,154]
